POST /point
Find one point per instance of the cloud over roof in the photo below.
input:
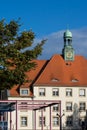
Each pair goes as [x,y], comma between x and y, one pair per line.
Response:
[54,43]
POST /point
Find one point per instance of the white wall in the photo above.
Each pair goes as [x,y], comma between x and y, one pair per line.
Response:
[75,99]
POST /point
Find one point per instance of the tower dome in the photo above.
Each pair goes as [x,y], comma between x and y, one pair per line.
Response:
[67,34]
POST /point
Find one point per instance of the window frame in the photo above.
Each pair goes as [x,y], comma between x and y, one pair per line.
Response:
[23,92]
[69,108]
[56,108]
[82,94]
[55,93]
[40,121]
[68,92]
[82,108]
[42,94]
[55,121]
[24,122]
[69,121]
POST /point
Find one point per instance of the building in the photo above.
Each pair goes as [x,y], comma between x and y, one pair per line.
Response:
[59,81]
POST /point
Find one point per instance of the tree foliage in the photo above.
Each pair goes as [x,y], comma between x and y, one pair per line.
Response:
[14,61]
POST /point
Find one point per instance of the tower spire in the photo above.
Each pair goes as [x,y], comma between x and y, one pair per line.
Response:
[68,51]
[67,37]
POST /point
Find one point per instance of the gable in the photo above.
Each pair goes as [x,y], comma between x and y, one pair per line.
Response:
[66,73]
[31,76]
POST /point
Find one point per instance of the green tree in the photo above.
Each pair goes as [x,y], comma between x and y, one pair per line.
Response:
[15,59]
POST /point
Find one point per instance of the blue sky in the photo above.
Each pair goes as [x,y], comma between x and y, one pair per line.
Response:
[49,19]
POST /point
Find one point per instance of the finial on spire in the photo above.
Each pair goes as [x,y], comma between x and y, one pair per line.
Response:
[67,26]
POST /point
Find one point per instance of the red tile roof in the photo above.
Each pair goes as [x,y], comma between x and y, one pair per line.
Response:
[57,72]
[31,75]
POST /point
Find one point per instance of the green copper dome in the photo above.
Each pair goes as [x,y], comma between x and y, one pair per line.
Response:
[67,34]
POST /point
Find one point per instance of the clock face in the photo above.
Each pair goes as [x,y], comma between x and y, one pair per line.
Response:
[69,54]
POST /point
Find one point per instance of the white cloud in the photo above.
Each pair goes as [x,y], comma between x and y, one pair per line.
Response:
[55,42]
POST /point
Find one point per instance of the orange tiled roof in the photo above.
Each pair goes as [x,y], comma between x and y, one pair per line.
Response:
[56,72]
[31,75]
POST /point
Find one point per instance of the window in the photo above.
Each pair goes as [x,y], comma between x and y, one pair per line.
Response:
[42,120]
[55,108]
[55,92]
[82,92]
[69,106]
[82,121]
[41,91]
[24,121]
[82,106]
[69,121]
[4,94]
[55,121]
[68,92]
[24,92]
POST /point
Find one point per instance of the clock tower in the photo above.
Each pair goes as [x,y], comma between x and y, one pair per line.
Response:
[68,51]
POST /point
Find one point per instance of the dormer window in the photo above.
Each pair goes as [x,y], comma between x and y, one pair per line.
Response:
[24,92]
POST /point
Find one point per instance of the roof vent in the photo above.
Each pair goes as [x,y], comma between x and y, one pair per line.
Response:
[74,80]
[68,63]
[55,80]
